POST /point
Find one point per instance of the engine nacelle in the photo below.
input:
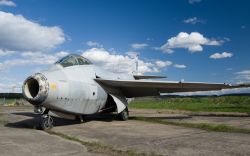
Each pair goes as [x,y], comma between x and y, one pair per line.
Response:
[35,89]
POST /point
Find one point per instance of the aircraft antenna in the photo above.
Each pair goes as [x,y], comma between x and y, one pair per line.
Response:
[135,57]
[136,62]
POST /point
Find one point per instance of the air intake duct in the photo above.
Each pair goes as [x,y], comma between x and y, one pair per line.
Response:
[35,89]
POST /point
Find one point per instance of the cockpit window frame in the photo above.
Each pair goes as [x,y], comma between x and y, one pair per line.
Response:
[86,61]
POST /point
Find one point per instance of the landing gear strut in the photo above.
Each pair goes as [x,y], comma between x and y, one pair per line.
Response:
[124,115]
[80,118]
[47,121]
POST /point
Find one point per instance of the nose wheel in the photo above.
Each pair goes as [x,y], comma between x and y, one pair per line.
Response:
[46,122]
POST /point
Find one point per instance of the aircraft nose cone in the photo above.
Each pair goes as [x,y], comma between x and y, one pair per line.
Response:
[35,89]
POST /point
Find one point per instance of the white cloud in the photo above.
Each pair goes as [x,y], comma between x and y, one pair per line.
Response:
[14,62]
[11,86]
[243,76]
[227,39]
[137,46]
[181,66]
[7,85]
[221,55]
[6,52]
[42,58]
[193,42]
[120,63]
[193,20]
[163,64]
[194,1]
[32,58]
[61,54]
[93,44]
[7,3]
[20,34]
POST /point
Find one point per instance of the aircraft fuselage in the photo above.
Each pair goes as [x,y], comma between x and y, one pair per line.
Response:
[70,90]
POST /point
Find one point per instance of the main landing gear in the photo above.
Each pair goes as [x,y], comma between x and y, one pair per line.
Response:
[80,118]
[47,121]
[124,115]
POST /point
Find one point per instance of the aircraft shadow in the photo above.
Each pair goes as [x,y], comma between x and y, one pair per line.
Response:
[101,117]
[35,119]
[29,114]
[33,123]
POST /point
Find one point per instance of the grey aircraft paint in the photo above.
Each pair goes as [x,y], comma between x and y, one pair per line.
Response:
[74,86]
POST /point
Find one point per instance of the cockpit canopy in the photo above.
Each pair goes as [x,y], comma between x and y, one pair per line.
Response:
[72,60]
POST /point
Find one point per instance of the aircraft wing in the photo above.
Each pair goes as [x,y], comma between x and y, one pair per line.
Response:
[139,88]
[138,77]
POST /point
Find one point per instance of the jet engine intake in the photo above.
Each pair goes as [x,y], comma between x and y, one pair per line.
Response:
[35,89]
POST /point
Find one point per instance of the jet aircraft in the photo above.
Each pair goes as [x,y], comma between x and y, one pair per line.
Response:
[74,87]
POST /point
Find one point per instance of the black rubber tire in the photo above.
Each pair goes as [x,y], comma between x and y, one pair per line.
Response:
[47,123]
[124,115]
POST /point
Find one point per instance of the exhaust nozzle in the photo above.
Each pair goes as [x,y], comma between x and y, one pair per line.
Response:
[35,89]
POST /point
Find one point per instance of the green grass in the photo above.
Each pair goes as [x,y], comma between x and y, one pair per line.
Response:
[96,147]
[6,101]
[197,104]
[203,126]
[3,121]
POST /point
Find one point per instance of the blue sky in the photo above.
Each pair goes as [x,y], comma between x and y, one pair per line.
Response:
[194,40]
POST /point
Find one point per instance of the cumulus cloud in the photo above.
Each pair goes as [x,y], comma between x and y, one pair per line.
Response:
[243,76]
[93,44]
[14,62]
[194,1]
[121,63]
[163,64]
[193,20]
[43,58]
[181,66]
[32,58]
[61,54]
[6,52]
[193,42]
[20,34]
[133,54]
[8,87]
[221,55]
[137,46]
[7,3]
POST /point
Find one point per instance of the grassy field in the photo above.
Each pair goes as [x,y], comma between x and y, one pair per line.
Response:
[6,101]
[203,126]
[196,104]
